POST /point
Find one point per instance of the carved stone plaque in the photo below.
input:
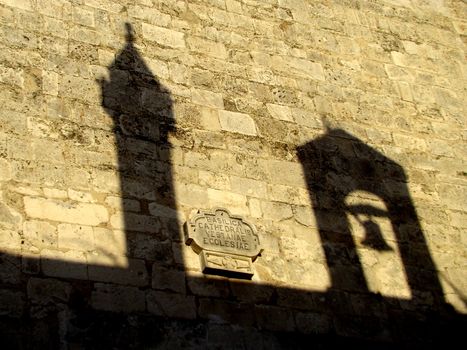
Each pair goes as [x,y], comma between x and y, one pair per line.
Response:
[226,244]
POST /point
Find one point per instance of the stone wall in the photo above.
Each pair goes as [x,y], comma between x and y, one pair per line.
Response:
[336,127]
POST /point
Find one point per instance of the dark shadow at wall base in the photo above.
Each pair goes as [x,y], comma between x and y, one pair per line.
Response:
[106,330]
[234,315]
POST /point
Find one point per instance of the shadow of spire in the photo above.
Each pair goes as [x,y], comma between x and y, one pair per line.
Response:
[141,110]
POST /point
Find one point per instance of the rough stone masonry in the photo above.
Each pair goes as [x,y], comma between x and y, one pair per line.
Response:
[337,127]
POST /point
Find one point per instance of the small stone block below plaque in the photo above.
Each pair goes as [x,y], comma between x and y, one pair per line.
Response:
[226,264]
[227,244]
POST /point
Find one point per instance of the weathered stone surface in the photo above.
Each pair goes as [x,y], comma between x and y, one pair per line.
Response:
[40,234]
[313,323]
[44,291]
[226,312]
[208,287]
[115,298]
[70,264]
[76,237]
[207,98]
[171,305]
[117,270]
[13,303]
[168,279]
[237,203]
[163,36]
[76,213]
[237,122]
[274,318]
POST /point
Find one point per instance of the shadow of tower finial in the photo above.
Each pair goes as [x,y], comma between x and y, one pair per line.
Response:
[129,35]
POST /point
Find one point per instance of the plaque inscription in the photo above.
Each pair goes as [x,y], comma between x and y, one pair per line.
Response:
[226,244]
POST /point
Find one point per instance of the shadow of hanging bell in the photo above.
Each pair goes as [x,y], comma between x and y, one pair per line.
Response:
[374,237]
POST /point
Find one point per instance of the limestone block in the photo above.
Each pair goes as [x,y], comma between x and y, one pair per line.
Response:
[304,215]
[163,211]
[106,5]
[168,279]
[237,122]
[185,256]
[236,203]
[115,298]
[10,241]
[207,47]
[200,285]
[85,35]
[55,193]
[255,207]
[248,187]
[280,112]
[85,90]
[250,293]
[12,76]
[75,237]
[163,36]
[114,269]
[453,196]
[111,243]
[410,142]
[80,196]
[209,119]
[75,213]
[171,305]
[30,262]
[460,27]
[70,264]
[40,234]
[48,290]
[50,83]
[405,91]
[135,222]
[274,318]
[142,188]
[21,4]
[221,311]
[299,66]
[191,195]
[151,247]
[13,303]
[9,217]
[207,98]
[214,180]
[399,73]
[83,16]
[288,194]
[286,173]
[313,323]
[276,211]
[459,219]
[158,68]
[150,15]
[234,6]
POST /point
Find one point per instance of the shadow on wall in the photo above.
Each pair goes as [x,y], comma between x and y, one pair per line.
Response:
[336,165]
[141,109]
[191,311]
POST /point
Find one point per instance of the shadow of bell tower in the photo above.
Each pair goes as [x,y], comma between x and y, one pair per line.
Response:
[337,164]
[141,109]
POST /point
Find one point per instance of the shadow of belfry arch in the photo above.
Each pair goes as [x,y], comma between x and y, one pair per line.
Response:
[363,209]
[376,245]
